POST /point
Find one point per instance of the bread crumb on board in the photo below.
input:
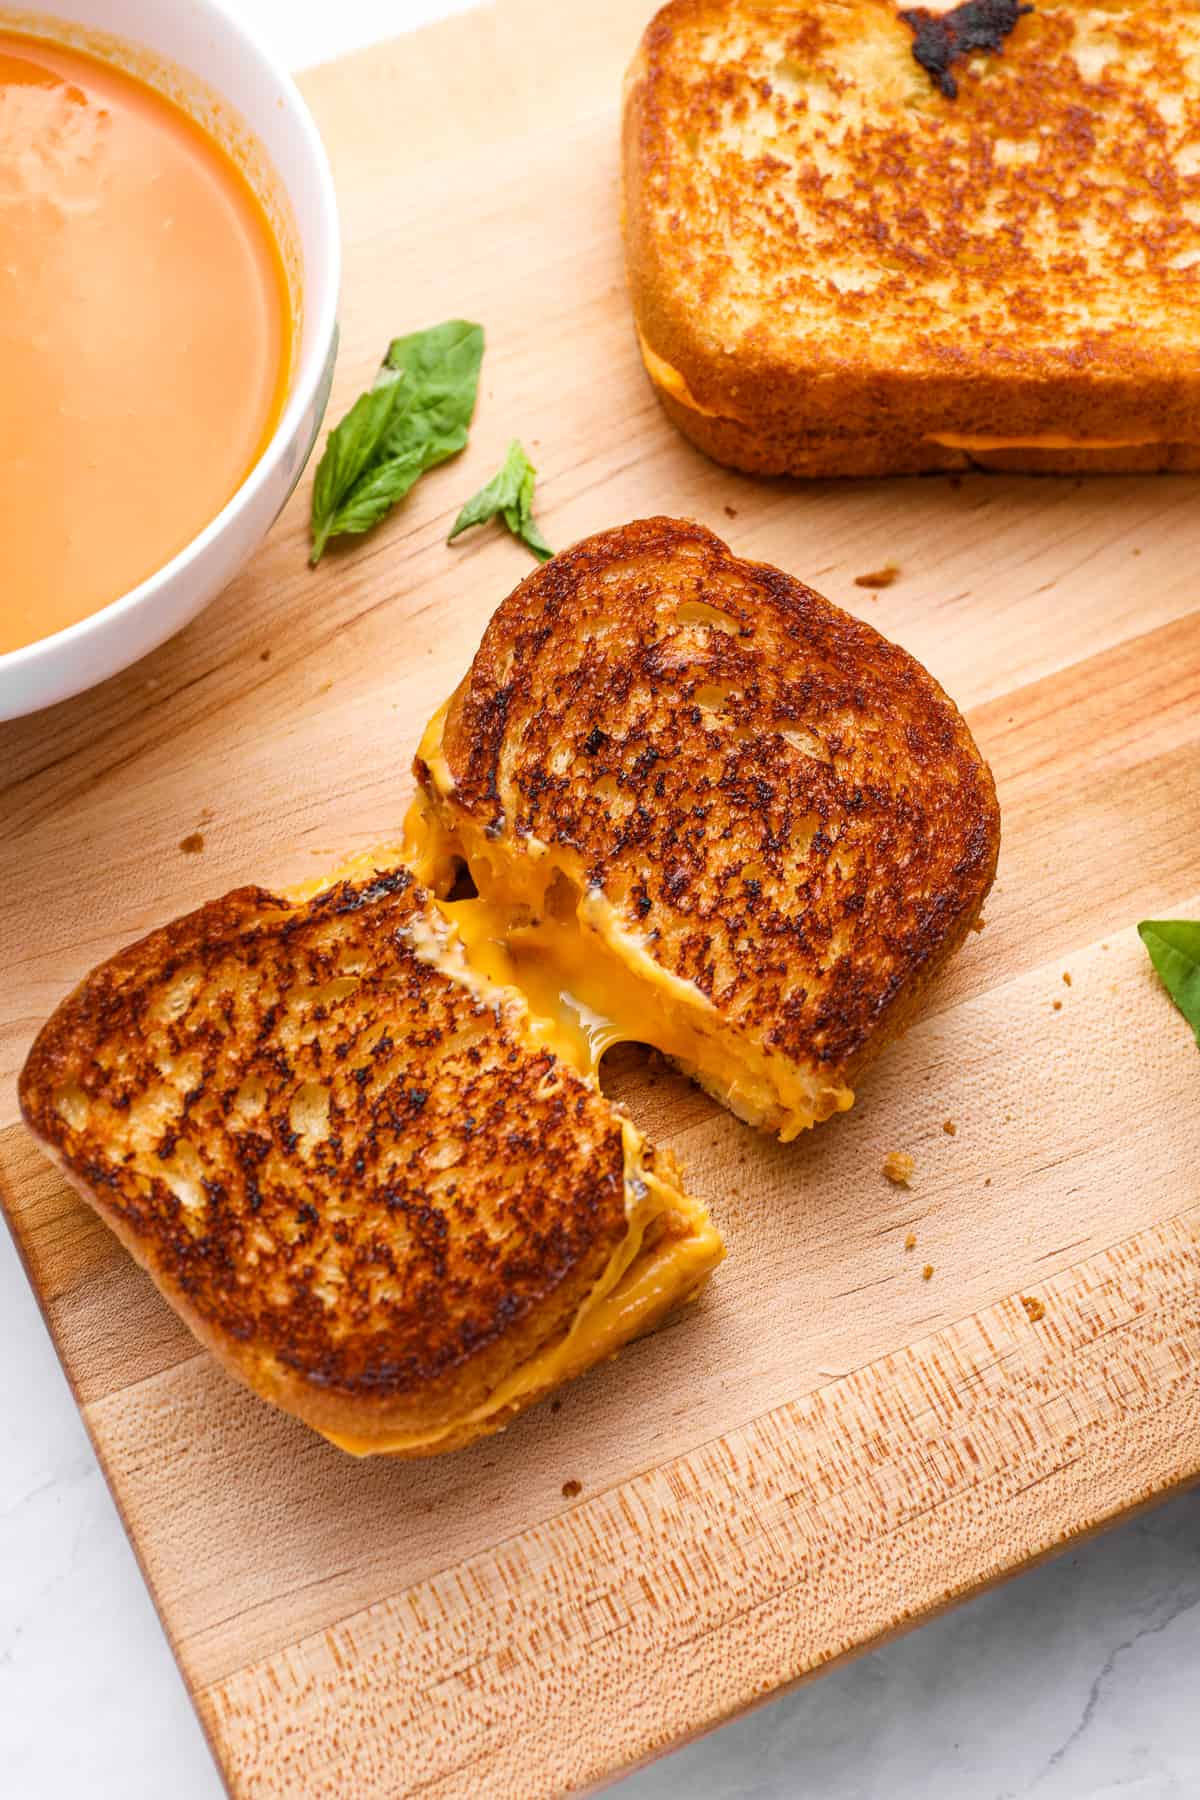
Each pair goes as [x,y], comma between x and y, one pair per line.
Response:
[898,1166]
[910,1242]
[878,578]
[949,1127]
[1058,1006]
[571,1488]
[1034,1307]
[192,844]
[1067,977]
[927,1272]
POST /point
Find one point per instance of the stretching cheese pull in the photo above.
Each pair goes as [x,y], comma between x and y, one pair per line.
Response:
[590,983]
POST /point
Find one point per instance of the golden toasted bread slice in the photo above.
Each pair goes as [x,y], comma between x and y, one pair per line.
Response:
[347,1162]
[863,240]
[706,810]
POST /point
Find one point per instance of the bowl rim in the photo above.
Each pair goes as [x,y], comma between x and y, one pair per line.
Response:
[322,283]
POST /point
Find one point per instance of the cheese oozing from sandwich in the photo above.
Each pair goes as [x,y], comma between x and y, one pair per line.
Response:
[1046,440]
[666,376]
[535,924]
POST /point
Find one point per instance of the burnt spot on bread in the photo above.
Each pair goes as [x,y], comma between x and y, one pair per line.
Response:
[942,39]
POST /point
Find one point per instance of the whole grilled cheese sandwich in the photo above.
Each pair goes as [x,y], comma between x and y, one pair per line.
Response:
[701,808]
[864,239]
[354,1165]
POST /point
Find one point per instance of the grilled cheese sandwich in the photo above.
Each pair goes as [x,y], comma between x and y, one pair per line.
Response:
[701,809]
[856,247]
[356,1166]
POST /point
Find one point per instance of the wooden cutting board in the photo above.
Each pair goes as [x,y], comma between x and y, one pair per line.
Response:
[847,1434]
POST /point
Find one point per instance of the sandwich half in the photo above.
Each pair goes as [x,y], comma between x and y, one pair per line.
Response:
[680,798]
[867,240]
[368,1184]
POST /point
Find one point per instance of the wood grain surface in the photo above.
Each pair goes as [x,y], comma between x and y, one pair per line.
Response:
[831,1446]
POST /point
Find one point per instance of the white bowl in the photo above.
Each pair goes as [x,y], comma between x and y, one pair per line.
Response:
[202,39]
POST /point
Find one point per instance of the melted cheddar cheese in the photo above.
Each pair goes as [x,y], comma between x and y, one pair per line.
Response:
[1046,440]
[590,981]
[666,376]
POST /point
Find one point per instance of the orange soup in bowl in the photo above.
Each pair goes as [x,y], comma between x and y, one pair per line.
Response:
[145,333]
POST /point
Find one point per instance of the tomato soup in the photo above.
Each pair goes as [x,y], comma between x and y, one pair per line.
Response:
[145,333]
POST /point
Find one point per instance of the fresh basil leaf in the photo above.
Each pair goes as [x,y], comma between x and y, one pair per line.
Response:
[415,416]
[1174,947]
[507,496]
[375,493]
[501,492]
[350,447]
[527,529]
[532,539]
[441,379]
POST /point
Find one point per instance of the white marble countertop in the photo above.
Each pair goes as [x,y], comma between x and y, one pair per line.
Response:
[1076,1681]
